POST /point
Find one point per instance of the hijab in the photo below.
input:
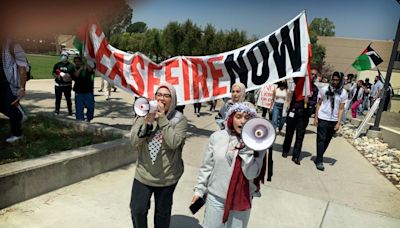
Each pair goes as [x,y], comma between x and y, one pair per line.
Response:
[332,91]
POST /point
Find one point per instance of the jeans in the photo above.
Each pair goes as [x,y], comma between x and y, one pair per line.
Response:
[83,100]
[214,212]
[299,124]
[354,108]
[277,118]
[140,204]
[12,112]
[59,90]
[325,132]
[346,109]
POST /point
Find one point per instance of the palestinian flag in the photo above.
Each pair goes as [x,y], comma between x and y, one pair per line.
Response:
[83,43]
[368,60]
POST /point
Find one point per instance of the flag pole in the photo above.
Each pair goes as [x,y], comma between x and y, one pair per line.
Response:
[388,75]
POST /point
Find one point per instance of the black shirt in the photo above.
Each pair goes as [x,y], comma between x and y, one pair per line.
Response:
[84,82]
[3,77]
[66,68]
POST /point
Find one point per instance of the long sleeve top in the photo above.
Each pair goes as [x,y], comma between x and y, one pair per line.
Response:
[168,167]
[216,171]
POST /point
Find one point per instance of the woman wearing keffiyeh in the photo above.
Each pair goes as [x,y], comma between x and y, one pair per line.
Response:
[159,138]
[229,173]
[329,111]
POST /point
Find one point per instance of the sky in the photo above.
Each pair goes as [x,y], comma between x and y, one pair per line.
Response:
[362,19]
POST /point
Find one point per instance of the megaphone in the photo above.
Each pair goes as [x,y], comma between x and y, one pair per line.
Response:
[143,106]
[258,134]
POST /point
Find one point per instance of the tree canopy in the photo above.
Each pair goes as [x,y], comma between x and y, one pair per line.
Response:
[176,39]
[137,27]
[319,27]
[117,19]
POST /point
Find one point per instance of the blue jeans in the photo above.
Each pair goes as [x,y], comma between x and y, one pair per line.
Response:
[277,118]
[83,100]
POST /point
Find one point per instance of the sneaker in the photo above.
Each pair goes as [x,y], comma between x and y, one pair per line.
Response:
[56,112]
[14,139]
[320,166]
[24,116]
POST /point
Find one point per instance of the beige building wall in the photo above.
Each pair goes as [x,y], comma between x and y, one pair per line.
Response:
[341,53]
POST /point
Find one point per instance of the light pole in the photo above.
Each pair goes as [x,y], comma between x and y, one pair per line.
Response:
[388,75]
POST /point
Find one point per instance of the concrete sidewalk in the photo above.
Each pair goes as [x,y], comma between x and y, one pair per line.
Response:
[350,193]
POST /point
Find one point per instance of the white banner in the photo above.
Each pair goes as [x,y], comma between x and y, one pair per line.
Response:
[283,54]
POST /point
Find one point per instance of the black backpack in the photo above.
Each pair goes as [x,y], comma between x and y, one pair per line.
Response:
[28,71]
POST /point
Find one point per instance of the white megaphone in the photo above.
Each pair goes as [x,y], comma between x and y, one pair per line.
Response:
[258,134]
[143,106]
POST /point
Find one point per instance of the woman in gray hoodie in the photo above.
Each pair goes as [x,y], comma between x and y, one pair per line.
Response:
[159,138]
[230,173]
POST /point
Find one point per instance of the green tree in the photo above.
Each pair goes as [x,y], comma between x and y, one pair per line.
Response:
[115,40]
[117,19]
[172,38]
[191,38]
[137,27]
[206,45]
[153,45]
[235,39]
[319,27]
[219,43]
[136,42]
[124,42]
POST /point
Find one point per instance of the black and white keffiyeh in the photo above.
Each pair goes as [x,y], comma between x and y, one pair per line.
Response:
[245,107]
[155,146]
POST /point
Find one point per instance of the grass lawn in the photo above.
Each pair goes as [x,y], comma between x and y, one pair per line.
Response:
[42,65]
[43,136]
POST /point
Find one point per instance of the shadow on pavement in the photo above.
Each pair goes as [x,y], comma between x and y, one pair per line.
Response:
[183,221]
[194,131]
[330,161]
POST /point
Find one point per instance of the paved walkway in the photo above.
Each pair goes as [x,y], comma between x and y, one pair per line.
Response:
[350,193]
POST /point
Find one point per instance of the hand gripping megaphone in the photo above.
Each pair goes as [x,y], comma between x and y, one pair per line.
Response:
[143,106]
[258,134]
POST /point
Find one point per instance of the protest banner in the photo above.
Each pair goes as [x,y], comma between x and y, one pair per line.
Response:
[283,54]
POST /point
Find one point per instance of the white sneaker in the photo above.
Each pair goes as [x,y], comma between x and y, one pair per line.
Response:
[14,139]
[24,116]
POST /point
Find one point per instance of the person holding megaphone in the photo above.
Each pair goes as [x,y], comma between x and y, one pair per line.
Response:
[238,92]
[158,137]
[230,174]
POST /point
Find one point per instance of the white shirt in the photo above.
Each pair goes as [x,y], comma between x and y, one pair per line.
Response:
[280,95]
[325,110]
[375,88]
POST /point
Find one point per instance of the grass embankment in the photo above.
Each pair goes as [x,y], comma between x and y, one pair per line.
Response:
[43,136]
[42,65]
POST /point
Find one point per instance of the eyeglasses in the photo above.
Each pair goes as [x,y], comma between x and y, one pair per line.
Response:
[166,95]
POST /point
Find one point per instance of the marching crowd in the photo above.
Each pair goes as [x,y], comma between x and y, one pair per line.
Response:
[231,173]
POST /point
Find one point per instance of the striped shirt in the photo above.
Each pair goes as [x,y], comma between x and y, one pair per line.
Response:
[11,64]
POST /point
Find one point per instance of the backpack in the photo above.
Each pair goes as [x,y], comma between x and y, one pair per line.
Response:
[28,71]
